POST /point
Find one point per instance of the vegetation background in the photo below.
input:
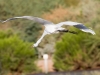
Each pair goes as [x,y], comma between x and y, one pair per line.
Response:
[74,52]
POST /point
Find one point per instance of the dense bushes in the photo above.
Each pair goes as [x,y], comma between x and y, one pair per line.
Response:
[15,54]
[82,51]
[77,52]
[27,29]
[73,51]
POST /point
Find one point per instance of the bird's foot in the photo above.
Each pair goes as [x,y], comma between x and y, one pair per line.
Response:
[35,45]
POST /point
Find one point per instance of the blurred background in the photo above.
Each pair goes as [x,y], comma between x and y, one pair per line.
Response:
[67,52]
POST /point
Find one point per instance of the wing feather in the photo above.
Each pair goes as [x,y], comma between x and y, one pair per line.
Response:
[77,25]
[36,19]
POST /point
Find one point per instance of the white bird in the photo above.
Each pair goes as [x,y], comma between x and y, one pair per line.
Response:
[53,28]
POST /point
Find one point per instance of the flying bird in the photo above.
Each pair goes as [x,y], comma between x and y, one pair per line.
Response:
[53,28]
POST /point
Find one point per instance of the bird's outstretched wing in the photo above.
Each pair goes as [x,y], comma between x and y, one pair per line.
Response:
[77,25]
[36,19]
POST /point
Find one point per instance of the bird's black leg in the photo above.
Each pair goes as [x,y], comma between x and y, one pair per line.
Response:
[73,32]
[63,30]
[68,31]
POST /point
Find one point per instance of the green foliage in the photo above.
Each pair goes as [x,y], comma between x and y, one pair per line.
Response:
[77,52]
[31,32]
[82,51]
[71,2]
[15,54]
[26,29]
[20,7]
[73,52]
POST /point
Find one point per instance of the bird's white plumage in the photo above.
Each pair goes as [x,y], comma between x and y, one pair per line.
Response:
[51,27]
[36,44]
[77,25]
[68,23]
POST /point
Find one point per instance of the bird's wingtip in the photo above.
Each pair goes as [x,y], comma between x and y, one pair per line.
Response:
[89,31]
[93,33]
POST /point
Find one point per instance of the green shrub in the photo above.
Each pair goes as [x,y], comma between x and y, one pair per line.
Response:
[16,55]
[26,29]
[77,52]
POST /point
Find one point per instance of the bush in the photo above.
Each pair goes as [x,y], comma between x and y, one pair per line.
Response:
[16,55]
[77,52]
[14,8]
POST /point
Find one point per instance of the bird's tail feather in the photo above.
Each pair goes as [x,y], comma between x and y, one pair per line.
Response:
[89,31]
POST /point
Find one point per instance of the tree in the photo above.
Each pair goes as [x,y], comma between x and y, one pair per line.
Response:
[16,56]
[77,52]
[28,30]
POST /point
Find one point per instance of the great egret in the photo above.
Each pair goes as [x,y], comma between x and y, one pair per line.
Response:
[53,28]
